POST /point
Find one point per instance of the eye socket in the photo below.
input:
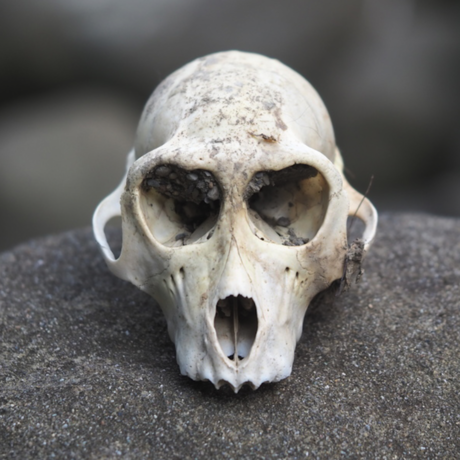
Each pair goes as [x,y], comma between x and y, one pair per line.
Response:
[287,206]
[180,206]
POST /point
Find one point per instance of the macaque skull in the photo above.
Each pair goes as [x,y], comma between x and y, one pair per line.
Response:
[234,214]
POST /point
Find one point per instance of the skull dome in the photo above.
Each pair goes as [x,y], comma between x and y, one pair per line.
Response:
[234,214]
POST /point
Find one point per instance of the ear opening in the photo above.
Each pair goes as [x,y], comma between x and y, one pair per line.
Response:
[361,208]
[355,228]
[109,210]
[113,234]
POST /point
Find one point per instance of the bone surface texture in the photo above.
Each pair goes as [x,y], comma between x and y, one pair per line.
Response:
[234,214]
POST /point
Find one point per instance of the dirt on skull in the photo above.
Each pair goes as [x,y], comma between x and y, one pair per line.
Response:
[180,184]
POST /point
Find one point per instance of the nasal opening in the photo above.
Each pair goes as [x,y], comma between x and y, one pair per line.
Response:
[236,326]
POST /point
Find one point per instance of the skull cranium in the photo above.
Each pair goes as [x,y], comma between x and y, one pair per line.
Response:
[234,214]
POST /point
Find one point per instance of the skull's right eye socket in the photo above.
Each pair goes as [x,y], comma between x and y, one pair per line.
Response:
[287,206]
[180,206]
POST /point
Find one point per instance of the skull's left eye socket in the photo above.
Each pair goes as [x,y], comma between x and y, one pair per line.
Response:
[287,206]
[180,206]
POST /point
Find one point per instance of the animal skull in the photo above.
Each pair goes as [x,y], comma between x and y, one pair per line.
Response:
[234,215]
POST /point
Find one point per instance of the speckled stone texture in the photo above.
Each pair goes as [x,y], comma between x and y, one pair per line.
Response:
[87,369]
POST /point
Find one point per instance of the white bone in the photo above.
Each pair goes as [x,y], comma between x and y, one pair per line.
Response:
[234,215]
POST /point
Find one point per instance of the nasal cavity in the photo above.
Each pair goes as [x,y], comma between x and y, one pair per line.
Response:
[236,326]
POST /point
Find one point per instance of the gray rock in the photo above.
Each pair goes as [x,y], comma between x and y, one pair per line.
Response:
[88,371]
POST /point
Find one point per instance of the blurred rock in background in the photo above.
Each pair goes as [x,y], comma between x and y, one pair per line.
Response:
[74,75]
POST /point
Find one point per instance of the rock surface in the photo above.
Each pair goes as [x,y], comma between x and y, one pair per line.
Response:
[87,369]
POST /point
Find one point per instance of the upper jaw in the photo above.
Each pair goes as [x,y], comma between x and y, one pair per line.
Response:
[264,352]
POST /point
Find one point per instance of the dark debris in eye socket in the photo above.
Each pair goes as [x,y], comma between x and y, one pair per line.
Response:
[295,240]
[260,180]
[294,173]
[194,186]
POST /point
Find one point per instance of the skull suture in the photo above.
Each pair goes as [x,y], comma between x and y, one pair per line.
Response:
[234,215]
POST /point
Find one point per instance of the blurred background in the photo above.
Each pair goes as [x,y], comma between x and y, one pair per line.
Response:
[74,75]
